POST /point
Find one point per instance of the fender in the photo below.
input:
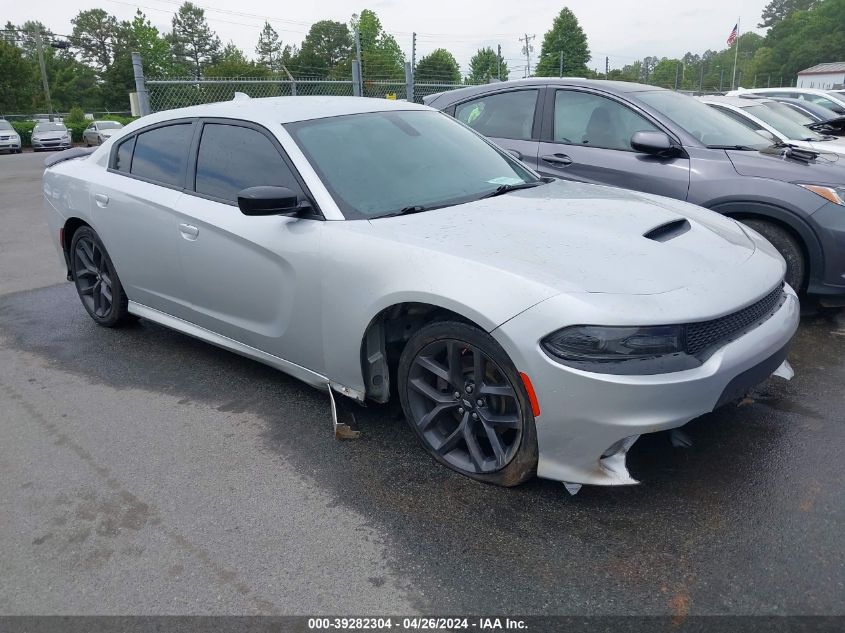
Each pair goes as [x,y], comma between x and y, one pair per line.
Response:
[806,234]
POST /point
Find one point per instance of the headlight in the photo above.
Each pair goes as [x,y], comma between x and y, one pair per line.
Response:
[836,195]
[604,343]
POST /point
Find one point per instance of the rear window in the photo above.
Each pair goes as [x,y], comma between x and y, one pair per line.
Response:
[161,154]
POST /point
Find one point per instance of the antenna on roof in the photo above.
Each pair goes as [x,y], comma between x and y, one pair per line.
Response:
[240,96]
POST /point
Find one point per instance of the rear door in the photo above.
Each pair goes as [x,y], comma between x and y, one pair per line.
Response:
[511,119]
[254,279]
[134,206]
[587,137]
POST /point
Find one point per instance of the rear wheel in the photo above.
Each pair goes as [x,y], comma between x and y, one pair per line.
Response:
[466,402]
[788,247]
[96,281]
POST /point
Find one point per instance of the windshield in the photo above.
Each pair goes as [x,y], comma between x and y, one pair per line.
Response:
[379,163]
[788,113]
[790,129]
[709,126]
[5,125]
[49,127]
[109,125]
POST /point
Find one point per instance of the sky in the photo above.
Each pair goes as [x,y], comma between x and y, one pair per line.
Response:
[623,30]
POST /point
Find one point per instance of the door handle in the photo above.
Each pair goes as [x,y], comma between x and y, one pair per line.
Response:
[557,159]
[189,231]
[515,153]
[101,199]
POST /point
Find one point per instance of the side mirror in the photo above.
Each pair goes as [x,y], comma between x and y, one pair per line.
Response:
[268,200]
[655,143]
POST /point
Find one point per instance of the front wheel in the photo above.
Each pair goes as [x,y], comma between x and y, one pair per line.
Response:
[788,247]
[466,402]
[96,281]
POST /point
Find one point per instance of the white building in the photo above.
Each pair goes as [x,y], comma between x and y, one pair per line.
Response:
[823,76]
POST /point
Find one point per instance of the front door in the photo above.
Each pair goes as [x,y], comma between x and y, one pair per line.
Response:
[254,279]
[587,137]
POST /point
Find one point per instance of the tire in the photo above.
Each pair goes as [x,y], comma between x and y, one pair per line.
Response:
[788,247]
[445,359]
[96,280]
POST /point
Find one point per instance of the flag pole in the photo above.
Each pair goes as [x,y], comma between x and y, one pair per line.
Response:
[736,55]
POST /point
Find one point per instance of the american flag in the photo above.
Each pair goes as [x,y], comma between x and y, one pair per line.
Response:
[732,36]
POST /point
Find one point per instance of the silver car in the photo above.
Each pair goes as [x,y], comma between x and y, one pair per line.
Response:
[47,135]
[99,131]
[10,140]
[380,249]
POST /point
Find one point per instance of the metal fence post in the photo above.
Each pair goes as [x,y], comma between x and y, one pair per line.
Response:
[360,81]
[356,78]
[140,85]
[409,82]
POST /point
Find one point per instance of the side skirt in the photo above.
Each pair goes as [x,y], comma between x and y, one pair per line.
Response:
[297,371]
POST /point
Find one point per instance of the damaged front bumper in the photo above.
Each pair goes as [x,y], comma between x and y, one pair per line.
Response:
[588,421]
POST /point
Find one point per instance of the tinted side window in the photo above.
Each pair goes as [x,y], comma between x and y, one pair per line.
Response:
[503,115]
[123,157]
[232,158]
[736,116]
[161,154]
[586,119]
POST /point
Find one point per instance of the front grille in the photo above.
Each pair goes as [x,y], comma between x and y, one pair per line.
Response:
[5,138]
[706,334]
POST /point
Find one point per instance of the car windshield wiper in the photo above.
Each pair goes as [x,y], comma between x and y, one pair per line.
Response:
[413,208]
[502,189]
[743,148]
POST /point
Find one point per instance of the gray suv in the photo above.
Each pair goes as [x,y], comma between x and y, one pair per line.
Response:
[658,141]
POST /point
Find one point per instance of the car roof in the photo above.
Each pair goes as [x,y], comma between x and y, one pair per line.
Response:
[285,109]
[618,87]
[738,102]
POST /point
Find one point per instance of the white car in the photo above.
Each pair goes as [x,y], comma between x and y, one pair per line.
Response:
[830,99]
[99,131]
[776,122]
[381,249]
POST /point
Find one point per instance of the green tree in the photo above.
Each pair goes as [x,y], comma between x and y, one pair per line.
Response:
[485,65]
[439,66]
[381,56]
[566,35]
[326,52]
[777,10]
[94,35]
[269,49]
[192,40]
[233,63]
[16,79]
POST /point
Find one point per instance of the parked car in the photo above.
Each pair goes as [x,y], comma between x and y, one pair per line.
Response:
[775,121]
[99,131]
[827,98]
[10,140]
[374,248]
[658,141]
[822,120]
[46,135]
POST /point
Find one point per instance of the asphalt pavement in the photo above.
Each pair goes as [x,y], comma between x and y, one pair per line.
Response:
[145,472]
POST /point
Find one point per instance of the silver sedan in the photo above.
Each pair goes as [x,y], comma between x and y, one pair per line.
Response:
[382,250]
[99,131]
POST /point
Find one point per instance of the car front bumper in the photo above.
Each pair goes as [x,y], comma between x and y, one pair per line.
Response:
[7,145]
[50,144]
[584,414]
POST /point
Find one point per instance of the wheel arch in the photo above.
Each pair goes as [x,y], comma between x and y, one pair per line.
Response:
[787,220]
[70,227]
[386,335]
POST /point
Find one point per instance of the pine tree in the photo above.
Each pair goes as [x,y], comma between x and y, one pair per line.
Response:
[193,42]
[566,36]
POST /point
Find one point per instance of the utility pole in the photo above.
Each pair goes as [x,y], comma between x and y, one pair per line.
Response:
[499,62]
[606,67]
[560,70]
[527,49]
[701,79]
[677,74]
[40,46]
[411,90]
[357,81]
[721,78]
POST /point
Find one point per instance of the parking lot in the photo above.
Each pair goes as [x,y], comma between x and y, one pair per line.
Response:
[144,472]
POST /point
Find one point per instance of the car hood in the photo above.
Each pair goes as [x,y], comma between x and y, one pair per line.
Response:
[107,133]
[574,237]
[759,165]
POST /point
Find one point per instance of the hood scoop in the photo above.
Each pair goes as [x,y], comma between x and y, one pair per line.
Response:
[668,231]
